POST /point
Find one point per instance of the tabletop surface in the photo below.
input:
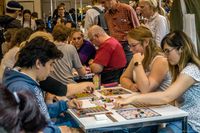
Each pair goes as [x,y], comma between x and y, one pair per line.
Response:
[121,116]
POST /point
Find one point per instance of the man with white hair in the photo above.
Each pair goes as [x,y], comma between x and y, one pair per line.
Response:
[157,23]
[110,59]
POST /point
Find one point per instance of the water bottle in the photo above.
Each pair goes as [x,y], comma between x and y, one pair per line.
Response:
[97,81]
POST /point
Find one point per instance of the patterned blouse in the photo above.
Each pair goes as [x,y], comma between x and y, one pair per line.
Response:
[191,102]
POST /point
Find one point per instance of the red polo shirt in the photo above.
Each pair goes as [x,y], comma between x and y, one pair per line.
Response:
[111,55]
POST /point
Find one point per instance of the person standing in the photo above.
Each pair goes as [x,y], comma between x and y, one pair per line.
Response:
[9,20]
[120,18]
[157,23]
[91,15]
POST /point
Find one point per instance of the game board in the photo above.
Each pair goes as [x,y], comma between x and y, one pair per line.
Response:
[136,113]
[82,96]
[85,112]
[114,91]
[102,101]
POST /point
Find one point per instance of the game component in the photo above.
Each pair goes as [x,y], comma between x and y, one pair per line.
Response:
[85,112]
[83,95]
[100,117]
[87,76]
[111,117]
[136,113]
[114,91]
[105,102]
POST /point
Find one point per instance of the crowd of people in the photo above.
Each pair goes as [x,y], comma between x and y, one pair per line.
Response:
[138,51]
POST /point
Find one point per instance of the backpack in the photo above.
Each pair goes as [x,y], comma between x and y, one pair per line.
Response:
[101,19]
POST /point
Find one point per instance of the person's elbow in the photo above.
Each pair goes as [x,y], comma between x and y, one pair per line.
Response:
[166,99]
[96,68]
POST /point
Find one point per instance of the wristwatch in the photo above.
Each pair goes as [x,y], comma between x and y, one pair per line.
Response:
[137,63]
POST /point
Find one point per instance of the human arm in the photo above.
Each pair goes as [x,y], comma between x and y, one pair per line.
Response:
[81,71]
[182,83]
[158,71]
[77,62]
[51,128]
[57,108]
[78,88]
[127,80]
[95,68]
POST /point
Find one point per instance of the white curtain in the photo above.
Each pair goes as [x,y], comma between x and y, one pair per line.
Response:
[189,25]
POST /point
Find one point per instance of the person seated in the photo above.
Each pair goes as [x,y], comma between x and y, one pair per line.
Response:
[110,59]
[9,58]
[148,70]
[29,69]
[184,66]
[60,82]
[64,67]
[14,108]
[86,49]
[8,36]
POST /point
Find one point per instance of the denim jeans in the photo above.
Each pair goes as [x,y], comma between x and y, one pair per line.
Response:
[176,127]
[66,120]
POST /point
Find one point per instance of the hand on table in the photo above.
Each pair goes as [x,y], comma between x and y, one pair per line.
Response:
[89,89]
[120,102]
[74,103]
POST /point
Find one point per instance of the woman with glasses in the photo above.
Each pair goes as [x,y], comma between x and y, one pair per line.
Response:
[184,66]
[85,49]
[148,69]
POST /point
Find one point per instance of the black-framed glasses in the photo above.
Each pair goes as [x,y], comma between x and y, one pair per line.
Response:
[167,51]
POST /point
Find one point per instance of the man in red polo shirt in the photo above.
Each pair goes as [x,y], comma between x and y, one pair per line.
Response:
[110,59]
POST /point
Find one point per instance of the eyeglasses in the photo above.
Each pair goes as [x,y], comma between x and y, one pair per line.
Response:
[167,51]
[133,45]
[77,38]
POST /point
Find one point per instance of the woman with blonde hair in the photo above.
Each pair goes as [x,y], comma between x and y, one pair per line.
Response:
[148,69]
[185,70]
[157,23]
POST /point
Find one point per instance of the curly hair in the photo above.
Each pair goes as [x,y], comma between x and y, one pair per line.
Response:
[37,48]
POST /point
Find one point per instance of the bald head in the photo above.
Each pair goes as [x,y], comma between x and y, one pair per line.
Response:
[97,35]
[96,30]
